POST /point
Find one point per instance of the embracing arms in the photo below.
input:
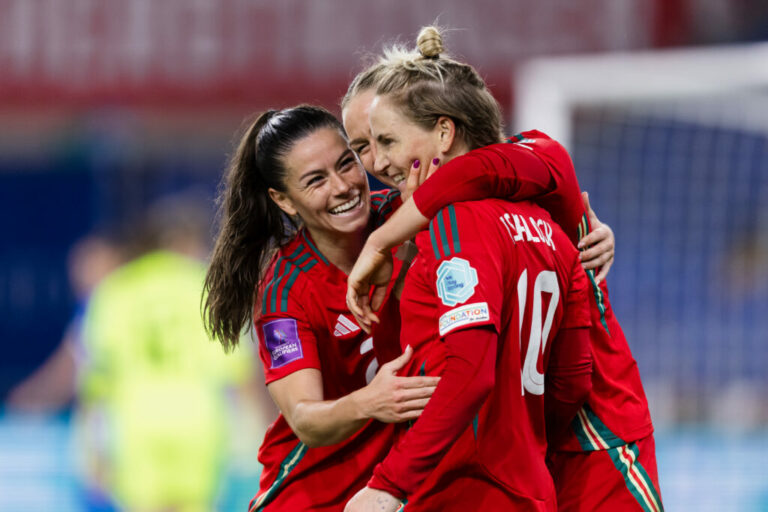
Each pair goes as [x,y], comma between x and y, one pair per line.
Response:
[318,422]
[467,380]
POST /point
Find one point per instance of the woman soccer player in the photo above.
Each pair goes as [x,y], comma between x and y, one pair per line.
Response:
[496,288]
[612,435]
[294,166]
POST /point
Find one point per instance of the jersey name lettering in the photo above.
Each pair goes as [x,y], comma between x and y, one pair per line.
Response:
[539,230]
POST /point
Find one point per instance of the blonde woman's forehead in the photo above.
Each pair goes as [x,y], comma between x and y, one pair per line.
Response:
[383,107]
[355,115]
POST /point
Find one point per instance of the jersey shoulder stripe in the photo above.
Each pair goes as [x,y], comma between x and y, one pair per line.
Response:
[382,204]
[454,228]
[390,196]
[287,270]
[381,198]
[596,291]
[528,136]
[444,222]
[312,246]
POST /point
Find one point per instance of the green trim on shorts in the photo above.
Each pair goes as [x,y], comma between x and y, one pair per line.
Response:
[638,482]
[592,433]
[288,465]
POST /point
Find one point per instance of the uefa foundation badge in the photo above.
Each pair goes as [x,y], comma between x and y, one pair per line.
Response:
[456,281]
[282,340]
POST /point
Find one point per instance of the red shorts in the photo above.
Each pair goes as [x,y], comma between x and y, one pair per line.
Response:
[616,480]
[476,491]
[470,493]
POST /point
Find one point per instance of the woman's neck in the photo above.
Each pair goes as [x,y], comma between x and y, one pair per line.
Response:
[458,149]
[341,250]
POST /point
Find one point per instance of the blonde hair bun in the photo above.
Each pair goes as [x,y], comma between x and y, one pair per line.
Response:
[430,42]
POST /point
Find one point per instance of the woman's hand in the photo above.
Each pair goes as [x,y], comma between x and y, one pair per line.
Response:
[317,422]
[418,175]
[373,268]
[374,265]
[599,243]
[394,399]
[372,500]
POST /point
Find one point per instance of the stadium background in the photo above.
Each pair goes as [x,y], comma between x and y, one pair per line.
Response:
[106,106]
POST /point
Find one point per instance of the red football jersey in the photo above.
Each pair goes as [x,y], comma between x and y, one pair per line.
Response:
[509,266]
[302,321]
[533,166]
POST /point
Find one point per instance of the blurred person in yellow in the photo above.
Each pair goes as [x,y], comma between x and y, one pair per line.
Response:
[152,369]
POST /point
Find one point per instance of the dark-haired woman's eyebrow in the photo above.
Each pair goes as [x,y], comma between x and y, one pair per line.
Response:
[310,174]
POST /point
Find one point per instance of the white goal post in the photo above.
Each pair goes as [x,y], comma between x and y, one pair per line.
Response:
[548,89]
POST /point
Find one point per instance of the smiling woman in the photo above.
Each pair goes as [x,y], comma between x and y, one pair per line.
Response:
[399,145]
[295,212]
[325,187]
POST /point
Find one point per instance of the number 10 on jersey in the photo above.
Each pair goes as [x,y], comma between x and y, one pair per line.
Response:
[532,380]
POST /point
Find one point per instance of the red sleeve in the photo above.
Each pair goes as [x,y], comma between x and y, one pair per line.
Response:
[569,379]
[501,170]
[286,343]
[532,166]
[465,383]
[569,372]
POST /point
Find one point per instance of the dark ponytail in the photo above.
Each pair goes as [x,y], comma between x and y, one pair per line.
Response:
[252,226]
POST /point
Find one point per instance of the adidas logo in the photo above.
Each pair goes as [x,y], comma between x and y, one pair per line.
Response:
[344,326]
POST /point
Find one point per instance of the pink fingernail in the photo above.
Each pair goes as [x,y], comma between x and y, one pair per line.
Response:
[416,163]
[435,161]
